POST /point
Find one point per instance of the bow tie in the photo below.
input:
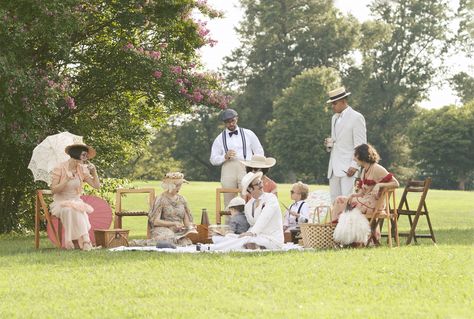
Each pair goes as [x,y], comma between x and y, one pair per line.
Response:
[234,132]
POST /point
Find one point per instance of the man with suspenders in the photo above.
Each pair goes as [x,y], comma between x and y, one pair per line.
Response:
[233,145]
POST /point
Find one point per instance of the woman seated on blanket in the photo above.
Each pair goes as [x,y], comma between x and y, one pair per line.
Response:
[260,163]
[169,218]
[373,177]
[67,182]
[264,216]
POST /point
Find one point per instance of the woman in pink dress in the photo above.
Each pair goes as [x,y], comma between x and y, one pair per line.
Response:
[67,183]
[353,224]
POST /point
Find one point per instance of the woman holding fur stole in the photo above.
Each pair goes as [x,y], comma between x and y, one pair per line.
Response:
[353,226]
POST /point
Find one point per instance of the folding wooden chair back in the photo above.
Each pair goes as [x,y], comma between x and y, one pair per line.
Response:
[383,212]
[219,210]
[120,212]
[42,213]
[421,188]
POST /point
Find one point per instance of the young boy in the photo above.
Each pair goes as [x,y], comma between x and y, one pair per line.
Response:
[299,210]
[238,222]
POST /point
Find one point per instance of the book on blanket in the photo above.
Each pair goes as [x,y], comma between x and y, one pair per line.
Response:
[185,232]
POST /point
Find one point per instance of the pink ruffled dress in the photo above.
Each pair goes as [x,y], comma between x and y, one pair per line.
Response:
[69,207]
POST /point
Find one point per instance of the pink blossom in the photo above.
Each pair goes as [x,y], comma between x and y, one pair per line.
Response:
[176,69]
[51,83]
[128,46]
[155,54]
[212,42]
[197,96]
[157,74]
[179,81]
[71,104]
[183,91]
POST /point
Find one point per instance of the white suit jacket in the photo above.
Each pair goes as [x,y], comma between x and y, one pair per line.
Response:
[267,220]
[348,133]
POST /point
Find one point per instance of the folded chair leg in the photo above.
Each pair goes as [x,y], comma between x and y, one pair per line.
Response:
[389,232]
[412,230]
[431,228]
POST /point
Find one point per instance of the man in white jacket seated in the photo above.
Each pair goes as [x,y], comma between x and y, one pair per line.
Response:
[264,216]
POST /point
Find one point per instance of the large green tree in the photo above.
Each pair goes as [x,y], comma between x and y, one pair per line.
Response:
[107,70]
[442,145]
[280,39]
[403,51]
[301,122]
[463,84]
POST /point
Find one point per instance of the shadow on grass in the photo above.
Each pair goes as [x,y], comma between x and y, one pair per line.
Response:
[24,244]
[451,236]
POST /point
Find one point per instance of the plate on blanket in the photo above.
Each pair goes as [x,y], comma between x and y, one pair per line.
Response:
[100,218]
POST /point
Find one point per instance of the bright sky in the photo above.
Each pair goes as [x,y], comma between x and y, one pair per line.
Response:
[223,31]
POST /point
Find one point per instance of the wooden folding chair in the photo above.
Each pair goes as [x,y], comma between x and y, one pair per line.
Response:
[42,213]
[383,212]
[120,212]
[422,188]
[219,211]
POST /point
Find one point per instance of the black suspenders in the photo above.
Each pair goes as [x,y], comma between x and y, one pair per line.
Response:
[299,210]
[244,142]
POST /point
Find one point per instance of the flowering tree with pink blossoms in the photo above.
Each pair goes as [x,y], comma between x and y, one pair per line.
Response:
[107,70]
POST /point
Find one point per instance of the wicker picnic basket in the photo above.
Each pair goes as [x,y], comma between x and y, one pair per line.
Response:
[318,235]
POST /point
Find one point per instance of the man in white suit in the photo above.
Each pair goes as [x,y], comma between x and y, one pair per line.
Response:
[347,131]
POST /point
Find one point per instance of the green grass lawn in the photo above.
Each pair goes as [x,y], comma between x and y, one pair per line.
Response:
[417,281]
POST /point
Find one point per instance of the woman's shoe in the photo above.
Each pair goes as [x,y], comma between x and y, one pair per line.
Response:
[87,246]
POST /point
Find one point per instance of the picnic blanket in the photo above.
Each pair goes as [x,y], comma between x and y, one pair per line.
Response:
[205,248]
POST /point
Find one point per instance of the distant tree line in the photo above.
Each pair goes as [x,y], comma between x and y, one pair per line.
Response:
[293,52]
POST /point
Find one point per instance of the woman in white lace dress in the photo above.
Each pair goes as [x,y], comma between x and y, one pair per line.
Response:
[67,183]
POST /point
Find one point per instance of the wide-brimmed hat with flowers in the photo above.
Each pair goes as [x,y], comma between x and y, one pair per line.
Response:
[337,94]
[175,178]
[260,161]
[248,179]
[90,150]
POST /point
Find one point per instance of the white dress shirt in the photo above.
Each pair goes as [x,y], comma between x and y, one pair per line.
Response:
[303,208]
[234,142]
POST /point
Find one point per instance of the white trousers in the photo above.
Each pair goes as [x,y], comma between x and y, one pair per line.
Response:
[232,172]
[341,186]
[233,242]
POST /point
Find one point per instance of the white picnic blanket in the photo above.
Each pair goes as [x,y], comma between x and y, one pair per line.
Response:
[205,248]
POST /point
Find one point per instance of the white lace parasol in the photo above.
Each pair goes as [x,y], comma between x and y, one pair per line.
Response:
[49,153]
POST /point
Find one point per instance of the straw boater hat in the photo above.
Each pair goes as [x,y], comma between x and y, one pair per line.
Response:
[174,177]
[90,150]
[236,201]
[260,161]
[337,94]
[248,179]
